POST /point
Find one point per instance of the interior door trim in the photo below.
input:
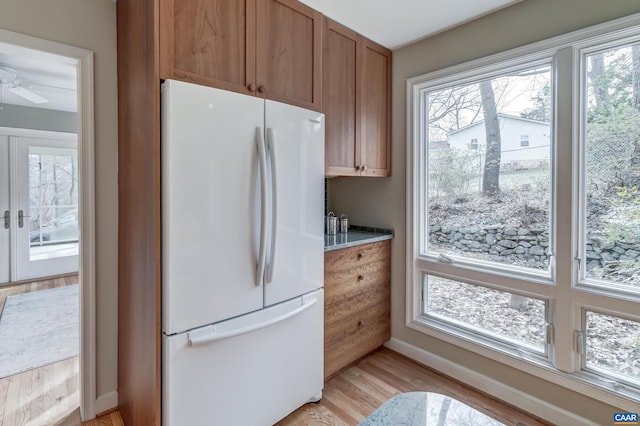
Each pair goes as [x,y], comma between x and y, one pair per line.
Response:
[83,61]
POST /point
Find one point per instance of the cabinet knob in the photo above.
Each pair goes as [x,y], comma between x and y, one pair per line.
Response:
[360,277]
[360,323]
[359,167]
[262,89]
[364,167]
[252,87]
[360,256]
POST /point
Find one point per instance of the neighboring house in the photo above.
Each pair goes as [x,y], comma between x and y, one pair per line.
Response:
[524,142]
[438,145]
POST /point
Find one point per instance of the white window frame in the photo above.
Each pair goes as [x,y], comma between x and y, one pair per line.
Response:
[564,364]
[582,50]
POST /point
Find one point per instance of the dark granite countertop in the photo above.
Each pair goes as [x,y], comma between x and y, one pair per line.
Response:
[356,236]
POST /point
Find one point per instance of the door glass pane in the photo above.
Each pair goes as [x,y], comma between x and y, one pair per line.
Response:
[613,345]
[53,202]
[505,316]
[488,180]
[612,170]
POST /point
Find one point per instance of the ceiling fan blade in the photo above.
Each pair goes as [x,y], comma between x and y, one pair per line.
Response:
[28,94]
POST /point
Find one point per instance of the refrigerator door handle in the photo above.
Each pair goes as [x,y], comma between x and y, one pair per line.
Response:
[213,337]
[262,159]
[274,205]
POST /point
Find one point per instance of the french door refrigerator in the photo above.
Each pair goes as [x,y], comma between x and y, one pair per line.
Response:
[242,257]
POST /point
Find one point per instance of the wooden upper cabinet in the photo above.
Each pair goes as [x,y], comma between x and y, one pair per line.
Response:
[209,42]
[375,114]
[269,48]
[356,102]
[289,55]
[341,90]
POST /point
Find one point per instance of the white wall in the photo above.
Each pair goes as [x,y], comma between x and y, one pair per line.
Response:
[24,117]
[89,24]
[382,202]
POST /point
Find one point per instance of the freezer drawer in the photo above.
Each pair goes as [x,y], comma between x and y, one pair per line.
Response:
[251,370]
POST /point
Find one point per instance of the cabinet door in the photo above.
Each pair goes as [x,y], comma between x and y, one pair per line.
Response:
[340,99]
[210,42]
[288,60]
[375,114]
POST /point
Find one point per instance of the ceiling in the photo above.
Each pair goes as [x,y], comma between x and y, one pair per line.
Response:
[395,23]
[50,76]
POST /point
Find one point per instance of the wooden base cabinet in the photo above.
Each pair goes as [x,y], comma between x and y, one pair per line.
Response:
[356,98]
[266,48]
[357,303]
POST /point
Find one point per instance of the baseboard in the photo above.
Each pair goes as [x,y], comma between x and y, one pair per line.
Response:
[106,402]
[543,409]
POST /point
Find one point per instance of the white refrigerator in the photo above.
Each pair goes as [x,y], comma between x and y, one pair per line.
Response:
[242,257]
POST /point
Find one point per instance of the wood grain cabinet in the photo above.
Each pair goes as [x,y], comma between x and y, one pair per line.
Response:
[356,96]
[266,48]
[357,303]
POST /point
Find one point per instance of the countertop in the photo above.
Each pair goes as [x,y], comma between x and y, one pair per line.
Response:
[356,236]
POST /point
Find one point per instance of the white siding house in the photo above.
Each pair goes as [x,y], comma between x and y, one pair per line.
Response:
[525,143]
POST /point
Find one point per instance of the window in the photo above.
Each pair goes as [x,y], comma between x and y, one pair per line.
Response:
[507,317]
[610,244]
[612,346]
[479,206]
[529,253]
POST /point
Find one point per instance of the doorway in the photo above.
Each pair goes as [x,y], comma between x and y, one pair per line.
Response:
[39,202]
[47,264]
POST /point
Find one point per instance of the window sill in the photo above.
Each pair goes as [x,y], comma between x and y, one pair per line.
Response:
[586,384]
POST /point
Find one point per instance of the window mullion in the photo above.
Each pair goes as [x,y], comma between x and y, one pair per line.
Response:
[564,315]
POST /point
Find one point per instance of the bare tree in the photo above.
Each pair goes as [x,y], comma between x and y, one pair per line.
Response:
[600,90]
[491,176]
[635,57]
[446,108]
[635,102]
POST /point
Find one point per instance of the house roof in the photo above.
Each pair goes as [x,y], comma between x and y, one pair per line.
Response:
[503,116]
[436,145]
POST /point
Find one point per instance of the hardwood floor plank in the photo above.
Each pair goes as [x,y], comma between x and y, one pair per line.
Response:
[14,411]
[344,404]
[363,399]
[377,388]
[353,394]
[4,387]
[36,403]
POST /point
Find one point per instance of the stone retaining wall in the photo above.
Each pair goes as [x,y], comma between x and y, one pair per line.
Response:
[528,244]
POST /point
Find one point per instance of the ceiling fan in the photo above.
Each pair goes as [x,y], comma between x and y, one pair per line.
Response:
[9,78]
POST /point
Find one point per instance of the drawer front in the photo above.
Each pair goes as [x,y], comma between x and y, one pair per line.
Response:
[353,257]
[355,336]
[354,290]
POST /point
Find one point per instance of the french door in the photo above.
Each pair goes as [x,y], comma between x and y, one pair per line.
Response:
[5,212]
[39,204]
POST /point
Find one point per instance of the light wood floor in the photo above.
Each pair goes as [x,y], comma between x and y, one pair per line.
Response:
[351,396]
[49,395]
[46,395]
[355,393]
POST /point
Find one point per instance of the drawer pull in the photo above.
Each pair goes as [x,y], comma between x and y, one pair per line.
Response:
[360,277]
[360,323]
